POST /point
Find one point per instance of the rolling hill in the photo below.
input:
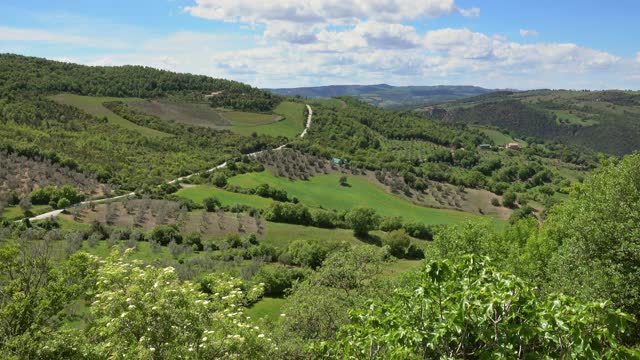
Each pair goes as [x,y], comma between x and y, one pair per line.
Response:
[387,96]
[604,121]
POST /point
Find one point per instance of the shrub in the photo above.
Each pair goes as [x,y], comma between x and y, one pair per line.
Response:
[211,204]
[164,234]
[51,195]
[288,213]
[509,199]
[418,230]
[265,191]
[278,278]
[397,241]
[362,220]
[194,240]
[219,180]
[391,223]
[63,203]
[306,253]
[324,219]
[521,213]
[505,320]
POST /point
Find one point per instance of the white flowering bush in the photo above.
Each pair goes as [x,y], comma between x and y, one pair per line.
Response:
[144,312]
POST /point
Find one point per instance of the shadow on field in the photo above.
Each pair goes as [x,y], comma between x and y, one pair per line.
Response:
[370,239]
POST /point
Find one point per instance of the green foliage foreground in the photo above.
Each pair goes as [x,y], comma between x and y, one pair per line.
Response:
[470,310]
[136,312]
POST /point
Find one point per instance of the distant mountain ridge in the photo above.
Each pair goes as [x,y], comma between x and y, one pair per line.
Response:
[388,96]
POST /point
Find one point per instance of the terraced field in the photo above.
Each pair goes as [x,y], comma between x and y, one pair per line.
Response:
[93,105]
[286,120]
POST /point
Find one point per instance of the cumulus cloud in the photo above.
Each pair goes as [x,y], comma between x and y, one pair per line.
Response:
[367,35]
[323,11]
[365,51]
[459,43]
[301,21]
[528,32]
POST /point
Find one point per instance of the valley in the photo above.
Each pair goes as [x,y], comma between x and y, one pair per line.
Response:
[148,194]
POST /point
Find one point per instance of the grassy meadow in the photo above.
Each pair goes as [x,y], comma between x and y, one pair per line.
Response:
[325,191]
[290,125]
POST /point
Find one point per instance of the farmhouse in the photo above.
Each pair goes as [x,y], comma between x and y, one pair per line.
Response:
[513,146]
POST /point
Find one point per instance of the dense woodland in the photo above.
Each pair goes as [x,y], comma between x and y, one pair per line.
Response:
[161,275]
[603,121]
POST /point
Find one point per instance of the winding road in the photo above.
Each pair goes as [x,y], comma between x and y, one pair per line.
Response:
[54,213]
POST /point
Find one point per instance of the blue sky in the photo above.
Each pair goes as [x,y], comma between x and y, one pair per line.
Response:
[499,44]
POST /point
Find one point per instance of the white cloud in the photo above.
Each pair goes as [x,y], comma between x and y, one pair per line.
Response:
[638,57]
[365,36]
[459,43]
[472,12]
[366,51]
[528,32]
[38,35]
[323,11]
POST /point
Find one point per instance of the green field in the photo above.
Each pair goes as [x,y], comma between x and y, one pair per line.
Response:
[15,213]
[93,106]
[266,308]
[280,235]
[291,126]
[198,193]
[248,119]
[325,191]
[572,119]
[498,137]
[190,113]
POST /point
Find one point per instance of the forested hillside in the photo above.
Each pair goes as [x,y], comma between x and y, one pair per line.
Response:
[605,121]
[22,74]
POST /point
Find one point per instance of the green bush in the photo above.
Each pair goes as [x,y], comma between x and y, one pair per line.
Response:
[63,203]
[277,279]
[164,234]
[211,204]
[391,223]
[418,230]
[509,199]
[397,241]
[470,310]
[288,213]
[362,220]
